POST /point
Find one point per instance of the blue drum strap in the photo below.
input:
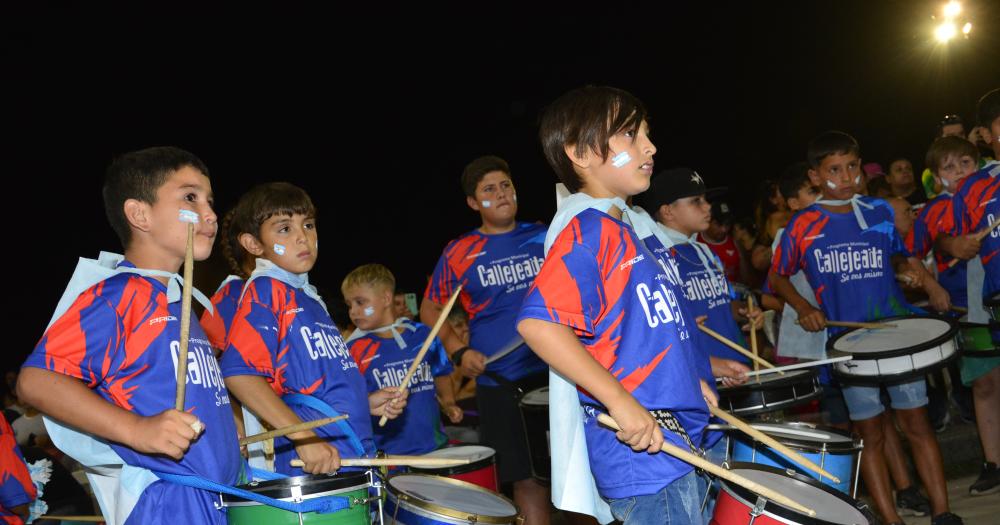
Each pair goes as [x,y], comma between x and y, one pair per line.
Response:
[322,505]
[322,407]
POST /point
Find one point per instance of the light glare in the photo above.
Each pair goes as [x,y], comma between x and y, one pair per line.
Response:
[945,32]
[967,28]
[952,9]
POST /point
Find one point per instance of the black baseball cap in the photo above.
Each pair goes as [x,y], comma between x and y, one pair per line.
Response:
[675,183]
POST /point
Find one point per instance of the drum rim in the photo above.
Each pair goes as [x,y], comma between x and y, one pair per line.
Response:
[445,511]
[747,497]
[895,379]
[791,377]
[869,356]
[852,445]
[759,395]
[281,488]
[460,469]
[992,301]
[522,403]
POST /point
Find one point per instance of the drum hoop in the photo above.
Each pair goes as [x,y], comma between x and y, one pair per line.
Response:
[919,347]
[992,302]
[895,379]
[792,377]
[776,510]
[821,446]
[460,469]
[402,498]
[349,484]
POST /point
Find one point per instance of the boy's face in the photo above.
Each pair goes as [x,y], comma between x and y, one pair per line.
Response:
[903,215]
[399,307]
[289,241]
[369,307]
[495,198]
[804,198]
[690,214]
[953,169]
[184,189]
[900,173]
[993,138]
[837,175]
[626,171]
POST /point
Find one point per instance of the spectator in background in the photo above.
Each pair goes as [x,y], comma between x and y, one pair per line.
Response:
[400,306]
[902,183]
[735,260]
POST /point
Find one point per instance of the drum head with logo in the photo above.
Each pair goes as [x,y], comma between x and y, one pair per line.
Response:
[451,497]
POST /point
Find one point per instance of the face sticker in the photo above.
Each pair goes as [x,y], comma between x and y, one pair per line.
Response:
[621,159]
[857,180]
[369,311]
[279,249]
[189,216]
[486,204]
[831,185]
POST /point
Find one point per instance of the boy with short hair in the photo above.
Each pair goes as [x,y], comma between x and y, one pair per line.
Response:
[384,347]
[848,246]
[604,314]
[107,365]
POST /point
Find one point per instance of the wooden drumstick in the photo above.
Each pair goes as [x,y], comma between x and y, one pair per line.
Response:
[423,350]
[191,219]
[88,519]
[770,441]
[753,336]
[722,339]
[959,309]
[718,471]
[979,237]
[852,324]
[290,429]
[400,461]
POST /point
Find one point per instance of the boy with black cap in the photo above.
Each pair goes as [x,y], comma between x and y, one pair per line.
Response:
[718,237]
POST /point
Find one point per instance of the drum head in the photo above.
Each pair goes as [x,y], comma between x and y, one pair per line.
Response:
[310,486]
[537,397]
[809,437]
[478,456]
[770,381]
[451,497]
[832,507]
[911,334]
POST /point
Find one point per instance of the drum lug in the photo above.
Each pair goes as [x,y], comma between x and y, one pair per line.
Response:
[472,519]
[757,509]
[519,520]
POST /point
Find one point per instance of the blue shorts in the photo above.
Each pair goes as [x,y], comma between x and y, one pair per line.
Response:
[863,402]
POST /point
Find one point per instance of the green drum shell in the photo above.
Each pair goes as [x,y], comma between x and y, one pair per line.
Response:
[975,341]
[354,487]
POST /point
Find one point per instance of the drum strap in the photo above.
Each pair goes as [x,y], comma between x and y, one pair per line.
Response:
[667,421]
[324,505]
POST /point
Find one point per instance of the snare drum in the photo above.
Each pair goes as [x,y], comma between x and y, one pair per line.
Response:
[535,415]
[421,499]
[481,469]
[353,486]
[738,506]
[834,450]
[975,340]
[917,345]
[773,392]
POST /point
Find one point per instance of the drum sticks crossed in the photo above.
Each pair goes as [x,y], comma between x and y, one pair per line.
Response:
[722,339]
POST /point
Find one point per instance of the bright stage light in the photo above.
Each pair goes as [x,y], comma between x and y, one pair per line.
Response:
[945,32]
[952,9]
[967,28]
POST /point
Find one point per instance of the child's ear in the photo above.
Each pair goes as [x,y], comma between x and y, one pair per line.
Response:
[663,213]
[251,244]
[793,203]
[814,178]
[582,159]
[137,214]
[472,202]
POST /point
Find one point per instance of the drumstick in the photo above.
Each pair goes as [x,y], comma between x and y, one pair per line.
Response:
[753,336]
[772,428]
[853,324]
[806,364]
[423,350]
[191,218]
[402,461]
[514,345]
[771,442]
[716,470]
[89,519]
[722,339]
[979,237]
[960,309]
[290,429]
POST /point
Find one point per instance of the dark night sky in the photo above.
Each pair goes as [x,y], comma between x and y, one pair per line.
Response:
[375,112]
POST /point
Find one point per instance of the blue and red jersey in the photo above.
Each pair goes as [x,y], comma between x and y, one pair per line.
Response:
[384,363]
[224,304]
[936,217]
[849,269]
[975,208]
[495,272]
[120,337]
[601,281]
[16,487]
[284,335]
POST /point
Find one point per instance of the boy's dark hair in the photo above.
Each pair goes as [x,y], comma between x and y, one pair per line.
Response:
[586,117]
[477,169]
[138,175]
[263,202]
[830,143]
[945,147]
[793,179]
[988,108]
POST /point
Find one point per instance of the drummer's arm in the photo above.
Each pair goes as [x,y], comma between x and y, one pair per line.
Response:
[446,398]
[914,271]
[810,318]
[559,347]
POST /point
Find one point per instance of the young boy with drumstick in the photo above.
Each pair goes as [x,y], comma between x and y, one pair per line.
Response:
[285,360]
[848,247]
[604,313]
[384,348]
[976,208]
[107,366]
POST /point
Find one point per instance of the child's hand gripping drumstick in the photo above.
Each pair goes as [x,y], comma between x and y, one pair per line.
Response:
[979,237]
[423,350]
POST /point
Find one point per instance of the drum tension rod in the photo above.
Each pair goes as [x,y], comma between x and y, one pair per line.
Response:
[757,509]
